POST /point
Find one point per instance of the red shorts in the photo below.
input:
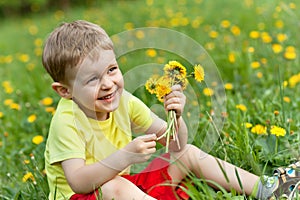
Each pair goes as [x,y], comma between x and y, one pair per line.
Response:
[154,180]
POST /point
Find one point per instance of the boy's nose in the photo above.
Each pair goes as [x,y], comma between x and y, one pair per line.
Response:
[106,83]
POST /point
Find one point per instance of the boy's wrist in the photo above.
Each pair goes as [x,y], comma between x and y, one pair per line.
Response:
[117,161]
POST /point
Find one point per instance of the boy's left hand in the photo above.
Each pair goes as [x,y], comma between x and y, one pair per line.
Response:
[175,100]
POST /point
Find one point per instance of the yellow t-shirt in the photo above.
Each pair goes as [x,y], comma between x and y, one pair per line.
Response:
[73,135]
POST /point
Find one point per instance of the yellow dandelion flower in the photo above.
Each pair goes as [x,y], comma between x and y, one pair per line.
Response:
[197,22]
[248,125]
[30,66]
[15,106]
[6,59]
[31,118]
[38,42]
[8,90]
[24,58]
[277,48]
[140,34]
[264,61]
[6,84]
[199,73]
[174,68]
[259,75]
[28,176]
[290,53]
[149,2]
[50,109]
[8,102]
[151,84]
[38,139]
[38,51]
[129,26]
[231,57]
[292,5]
[266,38]
[235,30]
[1,114]
[47,101]
[278,131]
[225,23]
[208,92]
[213,34]
[26,161]
[7,87]
[285,83]
[33,30]
[290,48]
[276,112]
[255,64]
[228,86]
[210,46]
[59,14]
[242,107]
[279,24]
[184,21]
[208,103]
[294,80]
[287,99]
[259,129]
[163,87]
[254,34]
[278,9]
[251,49]
[281,37]
[151,53]
[5,134]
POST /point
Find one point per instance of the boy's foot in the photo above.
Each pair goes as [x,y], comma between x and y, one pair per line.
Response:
[289,182]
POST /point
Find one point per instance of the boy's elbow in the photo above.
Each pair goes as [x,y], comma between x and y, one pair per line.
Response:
[80,188]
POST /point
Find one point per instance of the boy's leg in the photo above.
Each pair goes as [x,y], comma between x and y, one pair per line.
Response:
[206,166]
[121,188]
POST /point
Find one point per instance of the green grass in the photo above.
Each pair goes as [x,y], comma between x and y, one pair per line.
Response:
[260,89]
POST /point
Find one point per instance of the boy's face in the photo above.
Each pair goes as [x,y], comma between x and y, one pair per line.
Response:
[97,85]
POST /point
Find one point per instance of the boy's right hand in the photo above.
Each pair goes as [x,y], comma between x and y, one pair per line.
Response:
[140,149]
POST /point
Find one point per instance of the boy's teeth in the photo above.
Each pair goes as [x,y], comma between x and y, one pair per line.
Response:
[107,97]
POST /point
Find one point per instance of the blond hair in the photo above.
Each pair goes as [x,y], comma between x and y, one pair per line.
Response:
[69,44]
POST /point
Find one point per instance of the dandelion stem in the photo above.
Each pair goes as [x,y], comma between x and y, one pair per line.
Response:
[276,145]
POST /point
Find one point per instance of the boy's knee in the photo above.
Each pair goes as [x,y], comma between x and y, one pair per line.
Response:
[113,188]
[189,149]
[190,152]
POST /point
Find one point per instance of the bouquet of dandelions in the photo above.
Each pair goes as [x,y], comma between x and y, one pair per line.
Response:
[174,74]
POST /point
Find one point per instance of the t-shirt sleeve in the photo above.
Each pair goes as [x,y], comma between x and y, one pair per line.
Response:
[65,141]
[140,115]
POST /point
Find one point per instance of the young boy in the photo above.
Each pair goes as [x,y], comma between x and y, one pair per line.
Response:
[89,144]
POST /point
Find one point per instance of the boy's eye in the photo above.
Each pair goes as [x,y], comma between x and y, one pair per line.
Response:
[112,69]
[92,79]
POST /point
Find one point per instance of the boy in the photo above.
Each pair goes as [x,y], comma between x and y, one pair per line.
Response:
[89,144]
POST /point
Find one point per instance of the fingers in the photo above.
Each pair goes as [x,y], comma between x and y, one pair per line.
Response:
[146,144]
[176,88]
[175,100]
[148,137]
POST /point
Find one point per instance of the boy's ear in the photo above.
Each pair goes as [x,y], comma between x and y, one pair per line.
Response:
[62,90]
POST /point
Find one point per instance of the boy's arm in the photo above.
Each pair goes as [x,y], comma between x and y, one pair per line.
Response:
[84,178]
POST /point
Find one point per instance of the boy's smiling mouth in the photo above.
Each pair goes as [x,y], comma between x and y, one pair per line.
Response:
[107,97]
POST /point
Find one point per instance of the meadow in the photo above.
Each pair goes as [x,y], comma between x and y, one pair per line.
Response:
[253,43]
